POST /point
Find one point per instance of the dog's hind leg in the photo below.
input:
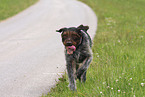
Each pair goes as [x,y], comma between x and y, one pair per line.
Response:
[83,77]
[81,72]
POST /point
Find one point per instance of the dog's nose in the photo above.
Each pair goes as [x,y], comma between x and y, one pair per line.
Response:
[69,44]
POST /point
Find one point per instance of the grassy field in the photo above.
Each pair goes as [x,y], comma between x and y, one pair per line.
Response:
[118,67]
[9,8]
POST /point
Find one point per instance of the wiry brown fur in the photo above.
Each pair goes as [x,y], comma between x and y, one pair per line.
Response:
[78,62]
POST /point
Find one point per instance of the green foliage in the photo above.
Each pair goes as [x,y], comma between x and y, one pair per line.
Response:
[9,8]
[118,67]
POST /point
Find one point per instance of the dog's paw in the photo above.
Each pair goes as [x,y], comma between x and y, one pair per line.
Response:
[72,87]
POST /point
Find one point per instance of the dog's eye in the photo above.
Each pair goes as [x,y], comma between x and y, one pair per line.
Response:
[64,36]
[75,37]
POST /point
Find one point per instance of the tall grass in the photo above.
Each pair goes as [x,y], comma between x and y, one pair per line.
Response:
[9,8]
[118,67]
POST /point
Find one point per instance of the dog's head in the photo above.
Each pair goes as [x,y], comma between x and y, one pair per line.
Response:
[72,37]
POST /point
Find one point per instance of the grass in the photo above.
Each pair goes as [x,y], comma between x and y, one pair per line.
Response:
[9,8]
[118,67]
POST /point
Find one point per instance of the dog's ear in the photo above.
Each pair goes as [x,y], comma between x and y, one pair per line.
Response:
[81,27]
[61,30]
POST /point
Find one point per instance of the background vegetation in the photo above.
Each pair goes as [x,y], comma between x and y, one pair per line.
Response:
[9,8]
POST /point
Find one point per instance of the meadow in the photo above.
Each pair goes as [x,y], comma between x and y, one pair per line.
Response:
[10,8]
[118,67]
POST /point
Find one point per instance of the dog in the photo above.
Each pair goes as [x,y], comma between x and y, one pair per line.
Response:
[78,53]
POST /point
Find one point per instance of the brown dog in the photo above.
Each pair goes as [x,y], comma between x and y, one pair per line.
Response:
[78,52]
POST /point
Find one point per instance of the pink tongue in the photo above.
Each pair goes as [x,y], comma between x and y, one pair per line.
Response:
[70,49]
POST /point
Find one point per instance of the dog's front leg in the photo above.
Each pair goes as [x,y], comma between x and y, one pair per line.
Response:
[81,72]
[71,72]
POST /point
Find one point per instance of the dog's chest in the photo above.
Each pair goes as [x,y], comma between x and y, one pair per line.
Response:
[80,57]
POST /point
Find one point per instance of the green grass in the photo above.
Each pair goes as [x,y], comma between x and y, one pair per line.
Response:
[9,8]
[118,67]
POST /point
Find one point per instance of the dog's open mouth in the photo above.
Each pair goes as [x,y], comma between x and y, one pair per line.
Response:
[70,49]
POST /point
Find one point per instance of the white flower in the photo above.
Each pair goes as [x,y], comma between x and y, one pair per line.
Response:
[104,82]
[132,89]
[118,91]
[117,80]
[142,84]
[141,36]
[100,92]
[130,78]
[112,88]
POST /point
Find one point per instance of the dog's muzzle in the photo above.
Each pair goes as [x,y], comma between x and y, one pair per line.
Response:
[70,49]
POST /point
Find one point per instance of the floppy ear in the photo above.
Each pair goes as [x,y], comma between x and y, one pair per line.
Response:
[81,27]
[61,30]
